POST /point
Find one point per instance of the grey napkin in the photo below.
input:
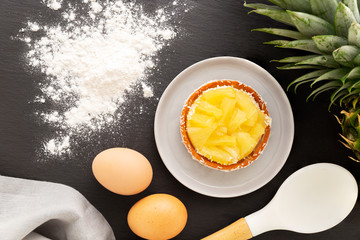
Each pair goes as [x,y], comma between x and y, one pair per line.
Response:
[35,210]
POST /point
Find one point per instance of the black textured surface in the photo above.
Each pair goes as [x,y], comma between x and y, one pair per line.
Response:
[211,28]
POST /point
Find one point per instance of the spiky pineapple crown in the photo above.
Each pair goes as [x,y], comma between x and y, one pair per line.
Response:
[330,31]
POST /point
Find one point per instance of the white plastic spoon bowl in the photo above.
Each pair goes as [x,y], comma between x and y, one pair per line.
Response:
[313,199]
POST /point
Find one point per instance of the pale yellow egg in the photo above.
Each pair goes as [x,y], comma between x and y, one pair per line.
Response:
[158,217]
[122,170]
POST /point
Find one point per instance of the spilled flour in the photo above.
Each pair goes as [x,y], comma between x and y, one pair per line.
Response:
[92,60]
[53,4]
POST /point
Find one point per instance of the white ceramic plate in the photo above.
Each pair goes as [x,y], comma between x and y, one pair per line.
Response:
[198,177]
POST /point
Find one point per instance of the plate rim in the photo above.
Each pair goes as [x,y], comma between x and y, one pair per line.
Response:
[290,130]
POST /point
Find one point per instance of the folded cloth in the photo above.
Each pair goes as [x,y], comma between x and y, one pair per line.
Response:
[35,210]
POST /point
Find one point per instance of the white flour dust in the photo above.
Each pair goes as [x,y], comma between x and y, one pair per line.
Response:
[92,60]
[53,4]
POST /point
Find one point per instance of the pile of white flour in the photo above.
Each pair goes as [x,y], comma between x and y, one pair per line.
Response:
[98,52]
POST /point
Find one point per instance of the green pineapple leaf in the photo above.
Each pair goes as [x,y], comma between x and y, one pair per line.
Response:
[354,102]
[294,66]
[277,42]
[355,92]
[336,74]
[342,91]
[353,5]
[295,59]
[334,97]
[324,8]
[296,5]
[304,44]
[280,3]
[326,87]
[277,15]
[311,25]
[354,73]
[312,75]
[355,85]
[354,34]
[356,60]
[282,32]
[346,54]
[261,6]
[328,43]
[322,60]
[344,17]
[300,83]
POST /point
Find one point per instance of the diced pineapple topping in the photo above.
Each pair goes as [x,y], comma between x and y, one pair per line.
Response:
[225,124]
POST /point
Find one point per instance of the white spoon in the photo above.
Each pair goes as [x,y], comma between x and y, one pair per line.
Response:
[313,199]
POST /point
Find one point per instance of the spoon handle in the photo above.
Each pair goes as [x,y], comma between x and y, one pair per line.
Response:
[238,230]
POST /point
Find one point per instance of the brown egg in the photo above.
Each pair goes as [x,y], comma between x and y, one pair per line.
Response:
[122,170]
[157,217]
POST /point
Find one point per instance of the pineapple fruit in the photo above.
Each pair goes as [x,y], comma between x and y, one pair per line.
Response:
[225,124]
[350,124]
[329,31]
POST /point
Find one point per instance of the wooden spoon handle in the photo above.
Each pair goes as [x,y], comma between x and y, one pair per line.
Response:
[238,230]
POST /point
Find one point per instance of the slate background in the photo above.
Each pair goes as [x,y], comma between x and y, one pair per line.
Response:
[212,28]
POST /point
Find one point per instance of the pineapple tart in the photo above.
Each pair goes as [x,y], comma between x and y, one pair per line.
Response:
[225,125]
